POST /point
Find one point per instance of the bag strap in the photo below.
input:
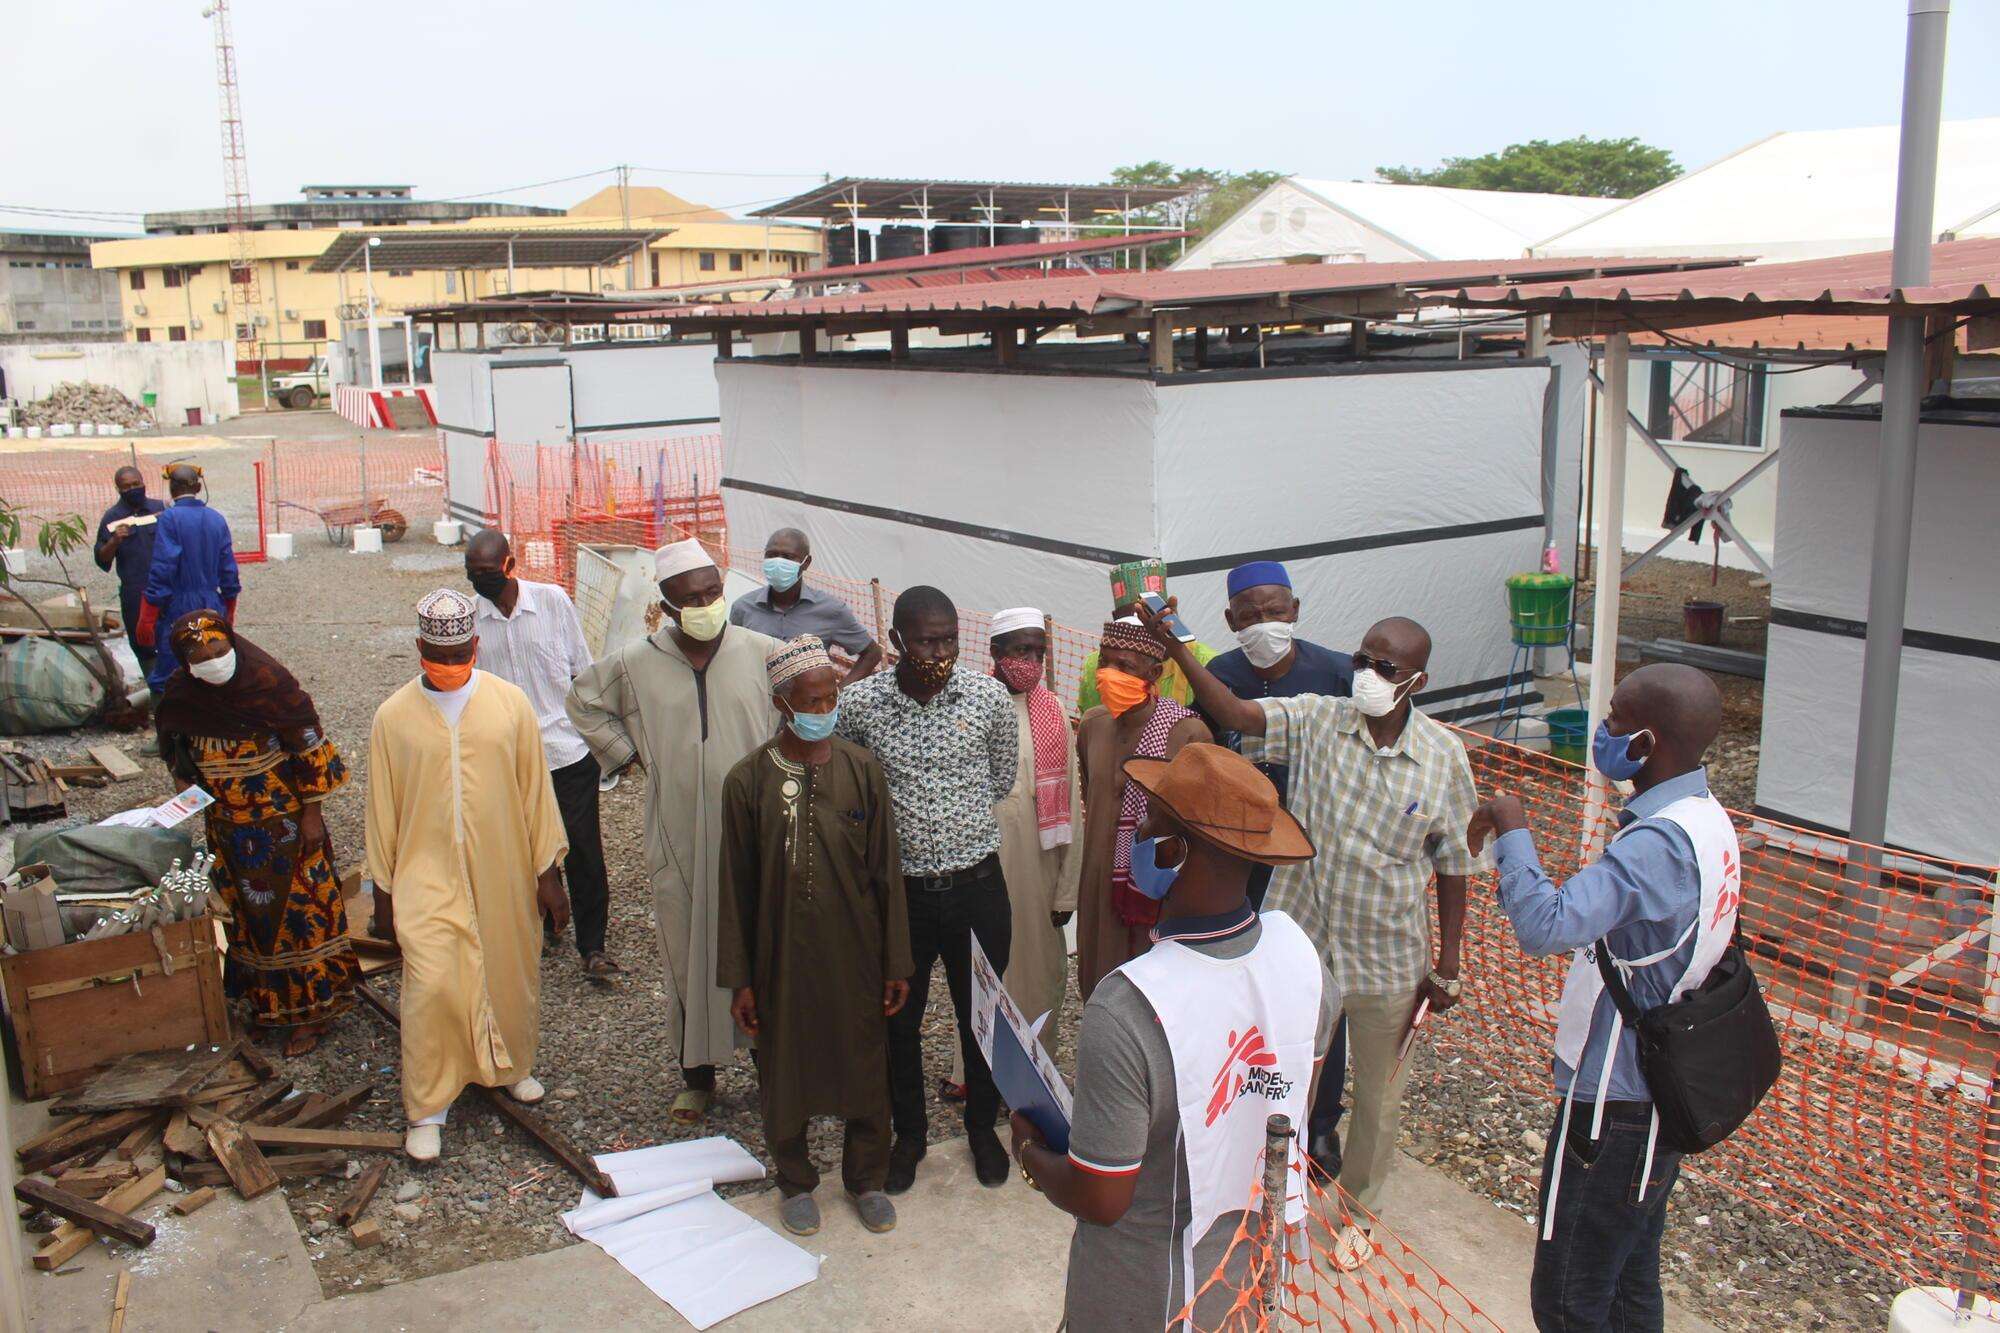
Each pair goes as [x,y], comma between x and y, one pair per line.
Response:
[1615,985]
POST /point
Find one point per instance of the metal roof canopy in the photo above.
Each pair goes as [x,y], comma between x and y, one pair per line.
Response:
[985,202]
[1964,280]
[982,256]
[437,248]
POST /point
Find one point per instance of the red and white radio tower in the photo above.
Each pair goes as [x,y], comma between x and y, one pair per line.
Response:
[236,187]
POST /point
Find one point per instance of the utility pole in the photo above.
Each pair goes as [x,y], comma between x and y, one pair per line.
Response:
[625,214]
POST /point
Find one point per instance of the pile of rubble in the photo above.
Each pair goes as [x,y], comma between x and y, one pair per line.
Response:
[86,404]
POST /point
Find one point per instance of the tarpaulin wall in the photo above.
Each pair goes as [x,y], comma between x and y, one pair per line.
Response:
[1389,489]
[1942,792]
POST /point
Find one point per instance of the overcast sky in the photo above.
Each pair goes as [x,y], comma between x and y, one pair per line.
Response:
[111,104]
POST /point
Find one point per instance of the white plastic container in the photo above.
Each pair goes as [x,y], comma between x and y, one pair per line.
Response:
[447,532]
[17,432]
[277,546]
[17,560]
[87,428]
[367,541]
[34,432]
[109,428]
[1935,1310]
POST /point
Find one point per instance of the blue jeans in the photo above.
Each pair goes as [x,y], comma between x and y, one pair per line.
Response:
[1599,1272]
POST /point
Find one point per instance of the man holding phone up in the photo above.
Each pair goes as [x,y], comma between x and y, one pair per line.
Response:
[1386,793]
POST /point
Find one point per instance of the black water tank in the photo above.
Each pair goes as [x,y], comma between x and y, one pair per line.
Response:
[1016,235]
[956,236]
[840,247]
[899,242]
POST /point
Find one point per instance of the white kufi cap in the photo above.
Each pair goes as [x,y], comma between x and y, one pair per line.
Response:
[679,558]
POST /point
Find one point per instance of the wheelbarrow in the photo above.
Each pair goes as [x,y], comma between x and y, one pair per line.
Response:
[373,513]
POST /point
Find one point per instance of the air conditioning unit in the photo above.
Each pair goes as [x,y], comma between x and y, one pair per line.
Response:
[221,307]
[194,322]
[291,314]
[139,309]
[259,321]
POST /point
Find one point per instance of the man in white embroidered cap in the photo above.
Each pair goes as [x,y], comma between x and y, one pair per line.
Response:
[686,703]
[464,845]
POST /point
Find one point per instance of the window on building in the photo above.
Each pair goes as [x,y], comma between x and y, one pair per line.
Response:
[176,334]
[401,272]
[291,265]
[243,334]
[655,257]
[1703,401]
[451,282]
[145,335]
[170,276]
[315,328]
[25,324]
[707,261]
[240,274]
[736,263]
[138,276]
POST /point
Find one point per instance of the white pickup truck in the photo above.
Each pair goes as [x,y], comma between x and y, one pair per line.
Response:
[300,388]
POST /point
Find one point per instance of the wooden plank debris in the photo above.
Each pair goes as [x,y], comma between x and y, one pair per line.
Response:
[257,1101]
[118,1300]
[291,1136]
[96,1132]
[84,1212]
[193,1201]
[69,1240]
[241,1159]
[336,1108]
[286,1166]
[155,1078]
[182,1137]
[290,1112]
[558,1144]
[94,1182]
[114,761]
[357,1200]
[366,1233]
[142,1138]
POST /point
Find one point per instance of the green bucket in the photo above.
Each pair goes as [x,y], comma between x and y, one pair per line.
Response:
[1567,741]
[1538,608]
[150,398]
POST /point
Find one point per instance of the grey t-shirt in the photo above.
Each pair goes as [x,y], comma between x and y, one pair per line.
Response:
[1128,1275]
[815,612]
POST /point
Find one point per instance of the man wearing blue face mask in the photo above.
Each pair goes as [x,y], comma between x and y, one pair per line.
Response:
[813,935]
[786,608]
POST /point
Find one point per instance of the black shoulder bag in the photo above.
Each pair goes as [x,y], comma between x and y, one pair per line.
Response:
[1709,1057]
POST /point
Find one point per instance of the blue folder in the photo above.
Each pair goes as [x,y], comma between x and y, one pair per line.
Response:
[1022,1088]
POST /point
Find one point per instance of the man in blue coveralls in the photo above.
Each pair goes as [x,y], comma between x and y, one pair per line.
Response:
[129,547]
[194,569]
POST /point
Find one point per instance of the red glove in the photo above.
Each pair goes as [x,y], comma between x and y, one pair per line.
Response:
[229,612]
[149,619]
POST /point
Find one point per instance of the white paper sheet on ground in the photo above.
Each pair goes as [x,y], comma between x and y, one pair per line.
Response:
[668,1228]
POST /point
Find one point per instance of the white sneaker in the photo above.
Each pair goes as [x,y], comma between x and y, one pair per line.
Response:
[528,1091]
[424,1143]
[1352,1248]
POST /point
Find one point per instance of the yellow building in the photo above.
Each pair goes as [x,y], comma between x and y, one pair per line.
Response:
[176,288]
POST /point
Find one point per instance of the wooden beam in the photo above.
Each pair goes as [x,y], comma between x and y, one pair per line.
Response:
[357,1200]
[1006,344]
[98,1132]
[1201,347]
[284,1166]
[121,1295]
[1160,346]
[69,1240]
[725,343]
[808,342]
[899,343]
[1357,337]
[336,1108]
[113,761]
[241,1160]
[94,1182]
[291,1136]
[194,1201]
[74,1208]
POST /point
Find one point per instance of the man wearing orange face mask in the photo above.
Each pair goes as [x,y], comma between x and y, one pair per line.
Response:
[1113,919]
[463,844]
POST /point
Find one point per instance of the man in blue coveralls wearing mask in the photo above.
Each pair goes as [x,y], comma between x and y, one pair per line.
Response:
[194,569]
[787,608]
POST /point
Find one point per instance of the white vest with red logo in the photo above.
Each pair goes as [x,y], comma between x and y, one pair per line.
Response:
[1242,1032]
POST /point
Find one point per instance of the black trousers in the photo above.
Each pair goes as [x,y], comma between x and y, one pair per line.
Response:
[1329,1105]
[583,868]
[1600,1270]
[942,924]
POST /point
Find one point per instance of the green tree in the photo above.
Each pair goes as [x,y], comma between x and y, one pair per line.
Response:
[1613,168]
[1211,197]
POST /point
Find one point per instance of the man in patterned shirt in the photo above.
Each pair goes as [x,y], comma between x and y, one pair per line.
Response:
[945,738]
[1386,793]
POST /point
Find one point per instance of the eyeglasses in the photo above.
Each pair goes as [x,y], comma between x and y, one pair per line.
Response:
[1382,666]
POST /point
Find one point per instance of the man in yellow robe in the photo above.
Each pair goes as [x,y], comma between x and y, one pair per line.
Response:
[464,842]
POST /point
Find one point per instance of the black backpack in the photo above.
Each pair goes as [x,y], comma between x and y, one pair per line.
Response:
[1709,1057]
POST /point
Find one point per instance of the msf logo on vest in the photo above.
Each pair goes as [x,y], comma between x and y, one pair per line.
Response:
[1249,1070]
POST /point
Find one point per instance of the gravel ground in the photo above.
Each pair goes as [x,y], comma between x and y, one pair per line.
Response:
[342,623]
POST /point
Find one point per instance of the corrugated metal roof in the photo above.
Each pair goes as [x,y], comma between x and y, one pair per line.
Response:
[880,197]
[482,248]
[1962,272]
[984,256]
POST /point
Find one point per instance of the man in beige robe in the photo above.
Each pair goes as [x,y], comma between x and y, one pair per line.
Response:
[1038,819]
[686,703]
[463,843]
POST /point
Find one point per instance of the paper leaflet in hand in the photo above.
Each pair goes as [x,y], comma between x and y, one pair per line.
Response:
[165,815]
[1028,1080]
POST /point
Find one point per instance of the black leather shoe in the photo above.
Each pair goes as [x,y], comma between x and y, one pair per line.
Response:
[989,1159]
[903,1159]
[1325,1153]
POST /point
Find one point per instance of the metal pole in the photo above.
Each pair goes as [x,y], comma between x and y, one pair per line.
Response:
[1902,395]
[1610,490]
[1277,1161]
[374,334]
[367,515]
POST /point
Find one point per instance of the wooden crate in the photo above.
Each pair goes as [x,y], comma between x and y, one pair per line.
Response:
[74,1009]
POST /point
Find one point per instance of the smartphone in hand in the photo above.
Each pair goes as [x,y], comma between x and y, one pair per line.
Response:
[1175,625]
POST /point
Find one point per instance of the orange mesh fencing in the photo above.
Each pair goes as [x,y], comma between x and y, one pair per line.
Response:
[392,480]
[646,492]
[48,486]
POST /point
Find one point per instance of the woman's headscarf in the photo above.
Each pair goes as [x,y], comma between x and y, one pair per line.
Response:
[261,698]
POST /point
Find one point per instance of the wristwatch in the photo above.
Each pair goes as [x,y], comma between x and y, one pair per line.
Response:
[1449,985]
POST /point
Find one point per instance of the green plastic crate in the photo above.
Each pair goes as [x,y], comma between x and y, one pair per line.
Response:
[1538,608]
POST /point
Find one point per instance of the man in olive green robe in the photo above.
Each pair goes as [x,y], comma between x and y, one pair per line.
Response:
[814,936]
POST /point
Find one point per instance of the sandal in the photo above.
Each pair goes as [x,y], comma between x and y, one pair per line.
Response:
[303,1041]
[691,1106]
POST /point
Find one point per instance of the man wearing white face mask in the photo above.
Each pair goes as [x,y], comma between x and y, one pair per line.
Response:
[1387,793]
[686,703]
[785,607]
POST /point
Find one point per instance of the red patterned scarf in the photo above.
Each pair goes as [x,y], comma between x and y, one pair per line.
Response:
[1048,729]
[1133,907]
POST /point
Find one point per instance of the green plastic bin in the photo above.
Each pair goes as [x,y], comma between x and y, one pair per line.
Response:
[1538,608]
[1567,741]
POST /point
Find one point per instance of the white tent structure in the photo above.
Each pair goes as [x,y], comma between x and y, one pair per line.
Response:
[1302,220]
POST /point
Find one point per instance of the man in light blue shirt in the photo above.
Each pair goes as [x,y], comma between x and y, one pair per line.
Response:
[1598,1262]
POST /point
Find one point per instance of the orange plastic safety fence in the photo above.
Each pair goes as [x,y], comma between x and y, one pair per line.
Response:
[1315,1273]
[46,487]
[392,480]
[643,492]
[1883,1134]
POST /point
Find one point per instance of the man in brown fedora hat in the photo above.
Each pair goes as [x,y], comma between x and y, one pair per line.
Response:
[1185,1052]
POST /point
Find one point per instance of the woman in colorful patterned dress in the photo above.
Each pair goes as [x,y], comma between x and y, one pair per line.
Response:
[238,724]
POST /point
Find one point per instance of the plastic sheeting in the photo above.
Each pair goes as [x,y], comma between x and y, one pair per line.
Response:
[1390,489]
[1940,798]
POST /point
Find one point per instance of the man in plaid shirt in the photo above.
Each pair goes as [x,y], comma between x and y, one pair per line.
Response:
[1386,793]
